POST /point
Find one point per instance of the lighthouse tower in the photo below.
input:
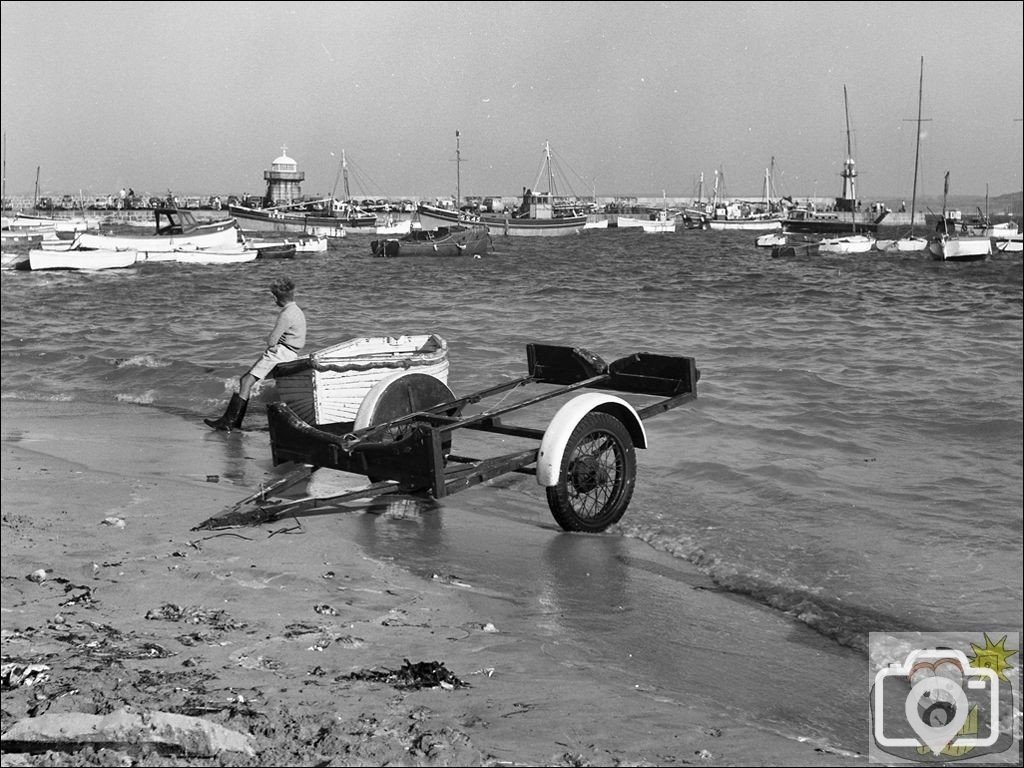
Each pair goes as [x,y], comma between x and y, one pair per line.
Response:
[284,180]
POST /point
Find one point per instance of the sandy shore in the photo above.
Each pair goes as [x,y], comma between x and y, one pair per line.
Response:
[296,636]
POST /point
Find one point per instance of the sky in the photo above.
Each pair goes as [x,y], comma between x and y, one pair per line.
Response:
[633,99]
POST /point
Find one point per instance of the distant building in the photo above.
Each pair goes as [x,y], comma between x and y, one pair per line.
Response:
[284,180]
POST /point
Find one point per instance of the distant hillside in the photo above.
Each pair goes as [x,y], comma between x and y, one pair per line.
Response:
[1002,205]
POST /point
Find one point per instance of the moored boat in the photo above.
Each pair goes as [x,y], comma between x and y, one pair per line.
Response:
[82,259]
[732,216]
[949,246]
[540,214]
[174,229]
[963,248]
[770,239]
[296,222]
[660,220]
[392,226]
[846,244]
[272,250]
[237,254]
[741,223]
[774,239]
[456,240]
[1010,243]
[299,244]
[660,224]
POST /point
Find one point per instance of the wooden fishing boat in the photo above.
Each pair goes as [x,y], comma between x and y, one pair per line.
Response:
[103,258]
[444,241]
[272,250]
[539,214]
[174,229]
[659,222]
[328,385]
[737,215]
[284,220]
[237,254]
[299,244]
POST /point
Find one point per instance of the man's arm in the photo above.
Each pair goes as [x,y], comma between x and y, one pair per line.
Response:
[279,328]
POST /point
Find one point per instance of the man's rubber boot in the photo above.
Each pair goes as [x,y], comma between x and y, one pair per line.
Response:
[232,418]
[236,423]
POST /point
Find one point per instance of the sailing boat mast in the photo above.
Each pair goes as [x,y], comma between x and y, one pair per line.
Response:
[917,152]
[546,169]
[551,177]
[344,175]
[945,191]
[849,173]
[458,173]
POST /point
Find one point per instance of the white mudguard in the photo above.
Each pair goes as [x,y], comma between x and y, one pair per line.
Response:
[556,436]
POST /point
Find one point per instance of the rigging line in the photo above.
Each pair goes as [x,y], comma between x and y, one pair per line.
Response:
[551,166]
[363,180]
[573,170]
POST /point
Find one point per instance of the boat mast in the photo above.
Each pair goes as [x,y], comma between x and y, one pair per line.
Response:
[551,177]
[337,178]
[849,173]
[917,152]
[945,191]
[458,173]
[546,169]
[35,199]
[344,176]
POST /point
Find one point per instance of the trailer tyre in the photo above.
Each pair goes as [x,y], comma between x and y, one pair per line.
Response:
[596,477]
[399,395]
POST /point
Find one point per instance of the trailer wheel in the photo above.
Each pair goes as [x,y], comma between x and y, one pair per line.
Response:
[399,395]
[596,477]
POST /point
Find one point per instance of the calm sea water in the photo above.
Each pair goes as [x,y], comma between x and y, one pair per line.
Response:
[854,456]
